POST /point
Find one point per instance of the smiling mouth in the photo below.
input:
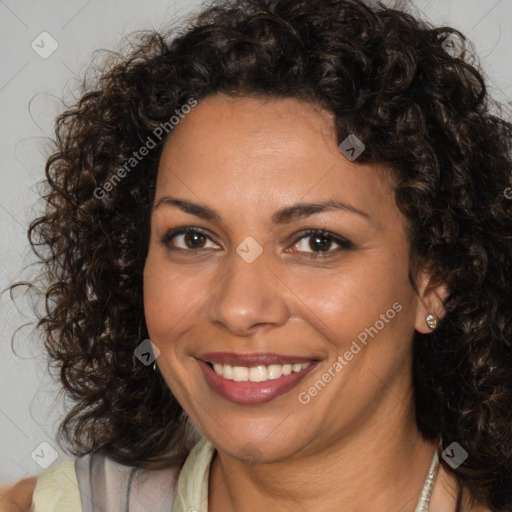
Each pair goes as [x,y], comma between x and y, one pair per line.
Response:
[259,373]
[254,383]
[253,378]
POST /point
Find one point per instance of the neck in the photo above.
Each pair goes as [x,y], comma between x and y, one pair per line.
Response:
[382,466]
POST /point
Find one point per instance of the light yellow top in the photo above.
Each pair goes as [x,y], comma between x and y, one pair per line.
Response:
[192,488]
[57,489]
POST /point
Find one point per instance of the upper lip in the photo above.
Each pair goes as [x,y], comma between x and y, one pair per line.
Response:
[249,360]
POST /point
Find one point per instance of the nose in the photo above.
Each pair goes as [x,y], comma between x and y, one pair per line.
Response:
[249,297]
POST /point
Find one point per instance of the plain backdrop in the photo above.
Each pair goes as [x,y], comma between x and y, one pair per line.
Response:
[46,46]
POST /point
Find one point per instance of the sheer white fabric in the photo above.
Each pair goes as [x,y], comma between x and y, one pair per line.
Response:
[107,486]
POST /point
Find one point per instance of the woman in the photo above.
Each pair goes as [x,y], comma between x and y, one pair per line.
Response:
[302,205]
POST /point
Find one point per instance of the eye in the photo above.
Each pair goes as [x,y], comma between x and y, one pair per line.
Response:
[321,241]
[193,238]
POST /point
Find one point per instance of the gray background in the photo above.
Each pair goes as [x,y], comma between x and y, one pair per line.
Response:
[30,90]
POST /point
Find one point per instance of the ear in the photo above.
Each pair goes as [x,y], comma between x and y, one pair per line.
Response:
[432,294]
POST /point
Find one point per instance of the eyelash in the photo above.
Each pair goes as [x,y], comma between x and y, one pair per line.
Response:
[342,242]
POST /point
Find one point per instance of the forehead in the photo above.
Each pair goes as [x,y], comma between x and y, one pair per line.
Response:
[259,151]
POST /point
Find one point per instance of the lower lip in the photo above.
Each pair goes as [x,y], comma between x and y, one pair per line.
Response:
[252,392]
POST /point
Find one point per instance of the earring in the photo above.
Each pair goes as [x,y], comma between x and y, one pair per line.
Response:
[431,321]
[154,367]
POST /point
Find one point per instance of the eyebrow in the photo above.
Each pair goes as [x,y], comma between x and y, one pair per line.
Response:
[282,216]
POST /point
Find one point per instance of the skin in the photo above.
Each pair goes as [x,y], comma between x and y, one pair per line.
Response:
[245,158]
[17,497]
[254,156]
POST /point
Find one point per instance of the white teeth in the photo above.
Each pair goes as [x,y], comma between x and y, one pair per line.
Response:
[226,371]
[259,373]
[240,373]
[275,371]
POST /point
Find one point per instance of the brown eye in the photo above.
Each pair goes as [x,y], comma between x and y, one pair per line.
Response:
[188,238]
[194,240]
[321,242]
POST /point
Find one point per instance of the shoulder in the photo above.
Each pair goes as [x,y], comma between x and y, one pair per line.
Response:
[57,489]
[96,482]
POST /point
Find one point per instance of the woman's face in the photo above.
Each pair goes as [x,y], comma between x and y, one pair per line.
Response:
[253,290]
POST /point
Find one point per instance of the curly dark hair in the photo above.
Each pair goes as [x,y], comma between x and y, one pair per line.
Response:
[420,110]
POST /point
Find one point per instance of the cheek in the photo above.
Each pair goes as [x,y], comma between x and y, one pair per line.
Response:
[171,298]
[342,304]
[161,298]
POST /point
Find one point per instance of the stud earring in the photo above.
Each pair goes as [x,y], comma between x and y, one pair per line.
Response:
[431,321]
